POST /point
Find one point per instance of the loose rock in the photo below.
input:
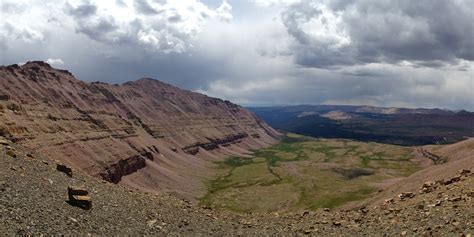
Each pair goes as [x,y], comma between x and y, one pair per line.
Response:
[11,153]
[406,195]
[65,169]
[79,197]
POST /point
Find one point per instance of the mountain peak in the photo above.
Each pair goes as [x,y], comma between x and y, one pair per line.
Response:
[37,63]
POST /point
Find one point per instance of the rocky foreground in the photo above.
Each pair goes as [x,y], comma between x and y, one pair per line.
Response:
[34,200]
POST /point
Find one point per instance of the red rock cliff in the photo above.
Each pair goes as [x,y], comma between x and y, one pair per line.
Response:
[145,134]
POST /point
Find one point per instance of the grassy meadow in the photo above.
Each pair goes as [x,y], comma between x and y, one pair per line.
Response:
[306,173]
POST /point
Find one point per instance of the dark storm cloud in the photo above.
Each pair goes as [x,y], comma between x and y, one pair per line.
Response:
[425,31]
[99,27]
[182,71]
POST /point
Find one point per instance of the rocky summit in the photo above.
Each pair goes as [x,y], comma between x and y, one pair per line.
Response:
[143,134]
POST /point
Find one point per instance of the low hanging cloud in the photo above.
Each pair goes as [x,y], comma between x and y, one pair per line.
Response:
[55,62]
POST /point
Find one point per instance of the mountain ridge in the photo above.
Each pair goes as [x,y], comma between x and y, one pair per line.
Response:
[145,133]
[399,126]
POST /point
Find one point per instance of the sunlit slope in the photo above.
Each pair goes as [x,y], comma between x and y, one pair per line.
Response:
[457,156]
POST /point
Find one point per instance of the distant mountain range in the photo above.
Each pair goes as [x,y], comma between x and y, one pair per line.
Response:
[400,126]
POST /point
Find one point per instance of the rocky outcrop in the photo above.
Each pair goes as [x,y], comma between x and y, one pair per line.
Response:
[115,172]
[435,158]
[214,143]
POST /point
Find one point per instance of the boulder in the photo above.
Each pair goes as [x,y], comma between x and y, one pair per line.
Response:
[65,169]
[79,197]
[71,190]
[465,172]
[4,142]
[428,187]
[406,195]
[11,153]
[388,201]
[454,179]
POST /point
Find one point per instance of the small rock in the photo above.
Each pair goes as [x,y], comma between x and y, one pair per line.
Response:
[454,179]
[79,197]
[364,210]
[4,142]
[437,203]
[427,187]
[455,199]
[420,205]
[389,201]
[151,223]
[65,169]
[465,172]
[11,153]
[405,195]
[336,223]
[326,209]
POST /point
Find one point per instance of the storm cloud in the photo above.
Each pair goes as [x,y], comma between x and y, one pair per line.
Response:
[426,32]
[259,52]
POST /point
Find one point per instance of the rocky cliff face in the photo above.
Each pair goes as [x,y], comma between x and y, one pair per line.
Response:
[144,134]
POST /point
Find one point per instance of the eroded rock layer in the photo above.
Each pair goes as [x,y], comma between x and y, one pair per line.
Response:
[144,134]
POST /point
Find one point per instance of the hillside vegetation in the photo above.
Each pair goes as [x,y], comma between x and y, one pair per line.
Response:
[305,173]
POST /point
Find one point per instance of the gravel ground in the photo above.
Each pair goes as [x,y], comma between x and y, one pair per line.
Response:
[33,201]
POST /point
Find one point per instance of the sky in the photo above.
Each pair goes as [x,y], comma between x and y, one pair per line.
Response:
[400,53]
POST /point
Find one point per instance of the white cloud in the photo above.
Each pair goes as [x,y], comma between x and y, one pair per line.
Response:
[11,31]
[271,3]
[163,27]
[55,62]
